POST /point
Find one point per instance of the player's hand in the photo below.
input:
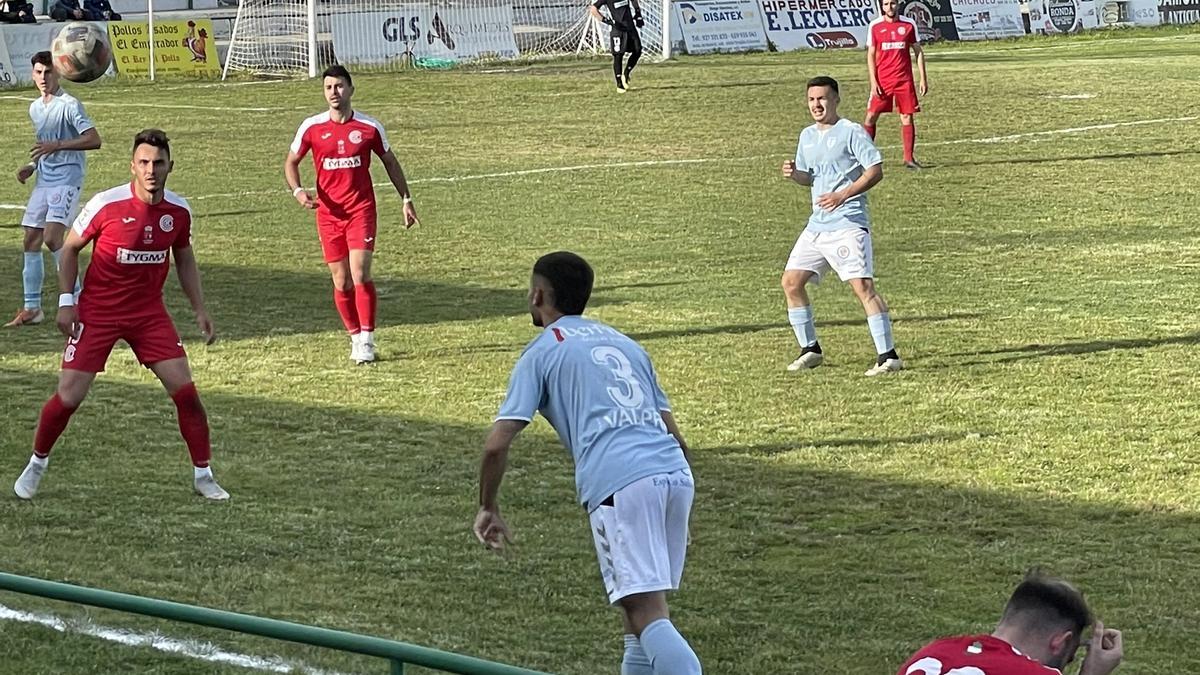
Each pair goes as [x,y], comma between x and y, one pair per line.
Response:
[639,21]
[789,169]
[491,530]
[306,199]
[207,329]
[924,88]
[876,90]
[67,320]
[1105,651]
[24,173]
[831,200]
[410,215]
[43,148]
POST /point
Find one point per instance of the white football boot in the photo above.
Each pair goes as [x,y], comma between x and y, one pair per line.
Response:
[206,486]
[888,366]
[27,485]
[808,359]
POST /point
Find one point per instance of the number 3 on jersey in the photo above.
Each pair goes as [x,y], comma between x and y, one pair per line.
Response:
[630,393]
[931,666]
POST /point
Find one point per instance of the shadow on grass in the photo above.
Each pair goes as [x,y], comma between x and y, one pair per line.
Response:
[369,513]
[743,329]
[1074,158]
[1037,351]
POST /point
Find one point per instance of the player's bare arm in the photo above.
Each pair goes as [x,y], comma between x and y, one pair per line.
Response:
[920,54]
[189,279]
[88,140]
[673,429]
[869,178]
[875,90]
[291,173]
[68,271]
[598,16]
[490,528]
[396,174]
[800,177]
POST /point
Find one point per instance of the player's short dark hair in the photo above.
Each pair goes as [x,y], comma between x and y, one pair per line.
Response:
[1047,604]
[44,58]
[823,81]
[154,137]
[339,71]
[570,276]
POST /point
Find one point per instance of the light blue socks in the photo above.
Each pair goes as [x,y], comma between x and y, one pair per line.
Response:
[881,332]
[801,319]
[668,652]
[635,661]
[32,275]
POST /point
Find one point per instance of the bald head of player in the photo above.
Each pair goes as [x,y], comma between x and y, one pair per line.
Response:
[560,286]
[45,77]
[151,164]
[339,88]
[823,99]
[1045,619]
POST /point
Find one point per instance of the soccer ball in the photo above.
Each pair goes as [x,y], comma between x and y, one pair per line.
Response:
[81,52]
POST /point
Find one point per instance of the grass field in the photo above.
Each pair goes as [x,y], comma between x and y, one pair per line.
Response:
[1042,285]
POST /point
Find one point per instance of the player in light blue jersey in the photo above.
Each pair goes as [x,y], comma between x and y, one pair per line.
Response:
[838,160]
[598,390]
[64,132]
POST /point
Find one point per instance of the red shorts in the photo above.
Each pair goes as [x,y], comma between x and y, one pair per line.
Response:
[902,95]
[153,339]
[339,236]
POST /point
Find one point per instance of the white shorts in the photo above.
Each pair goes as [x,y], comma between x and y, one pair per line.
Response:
[641,539]
[51,205]
[847,251]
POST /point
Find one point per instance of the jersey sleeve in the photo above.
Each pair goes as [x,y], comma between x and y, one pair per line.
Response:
[526,389]
[88,223]
[80,119]
[801,163]
[301,144]
[184,238]
[381,142]
[914,36]
[863,149]
[599,3]
[871,35]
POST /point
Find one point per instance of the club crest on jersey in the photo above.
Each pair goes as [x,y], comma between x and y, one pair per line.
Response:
[900,30]
[166,223]
[148,235]
[356,137]
[56,198]
[843,252]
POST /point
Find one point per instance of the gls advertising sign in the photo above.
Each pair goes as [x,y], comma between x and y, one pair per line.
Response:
[817,24]
[415,31]
[720,26]
[8,78]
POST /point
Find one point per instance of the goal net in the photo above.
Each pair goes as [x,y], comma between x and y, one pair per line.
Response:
[298,37]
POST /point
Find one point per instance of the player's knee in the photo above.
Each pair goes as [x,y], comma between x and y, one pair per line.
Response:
[906,120]
[792,282]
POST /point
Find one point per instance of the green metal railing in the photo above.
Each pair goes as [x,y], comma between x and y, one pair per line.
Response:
[399,653]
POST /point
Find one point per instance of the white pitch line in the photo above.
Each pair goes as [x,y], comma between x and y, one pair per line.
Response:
[167,106]
[1069,130]
[194,649]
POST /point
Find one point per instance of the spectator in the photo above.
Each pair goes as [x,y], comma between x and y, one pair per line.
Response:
[16,11]
[70,10]
[102,9]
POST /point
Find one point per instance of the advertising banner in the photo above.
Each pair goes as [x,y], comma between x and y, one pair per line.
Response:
[1179,11]
[934,19]
[423,31]
[1062,16]
[180,48]
[987,19]
[8,76]
[817,24]
[720,26]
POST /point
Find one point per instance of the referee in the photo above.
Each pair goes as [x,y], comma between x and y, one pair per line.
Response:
[625,39]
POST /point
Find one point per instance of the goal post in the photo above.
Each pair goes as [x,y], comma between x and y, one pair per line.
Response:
[300,37]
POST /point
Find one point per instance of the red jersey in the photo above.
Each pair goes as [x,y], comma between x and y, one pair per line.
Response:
[342,157]
[892,41]
[131,252]
[973,655]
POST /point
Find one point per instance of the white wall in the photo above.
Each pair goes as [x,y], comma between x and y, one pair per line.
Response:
[139,6]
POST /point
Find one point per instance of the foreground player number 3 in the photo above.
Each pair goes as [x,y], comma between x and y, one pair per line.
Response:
[631,395]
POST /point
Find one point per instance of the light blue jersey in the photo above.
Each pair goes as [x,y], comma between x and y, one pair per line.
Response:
[62,119]
[835,158]
[598,390]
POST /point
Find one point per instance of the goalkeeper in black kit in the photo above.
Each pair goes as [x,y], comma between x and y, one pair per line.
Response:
[626,20]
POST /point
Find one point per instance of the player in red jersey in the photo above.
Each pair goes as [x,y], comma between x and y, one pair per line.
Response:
[1039,633]
[135,229]
[889,67]
[342,141]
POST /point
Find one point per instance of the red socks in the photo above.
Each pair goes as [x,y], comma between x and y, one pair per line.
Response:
[51,424]
[193,424]
[870,130]
[364,300]
[910,140]
[344,300]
